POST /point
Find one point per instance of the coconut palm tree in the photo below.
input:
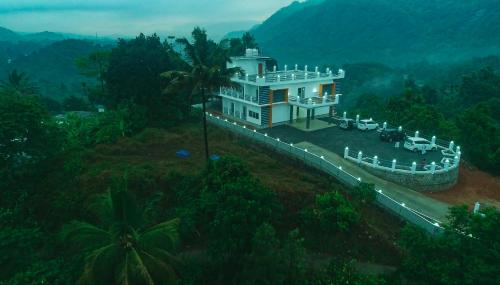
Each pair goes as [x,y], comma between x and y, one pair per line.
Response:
[120,251]
[18,83]
[208,72]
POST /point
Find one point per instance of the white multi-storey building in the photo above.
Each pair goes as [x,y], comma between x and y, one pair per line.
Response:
[268,97]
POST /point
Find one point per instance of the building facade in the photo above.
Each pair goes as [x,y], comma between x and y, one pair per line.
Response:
[265,98]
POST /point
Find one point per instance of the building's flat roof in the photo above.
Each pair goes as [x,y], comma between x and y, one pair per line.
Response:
[250,57]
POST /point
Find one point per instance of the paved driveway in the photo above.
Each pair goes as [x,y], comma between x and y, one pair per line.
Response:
[335,139]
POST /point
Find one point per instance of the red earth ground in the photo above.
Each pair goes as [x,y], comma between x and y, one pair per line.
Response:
[473,186]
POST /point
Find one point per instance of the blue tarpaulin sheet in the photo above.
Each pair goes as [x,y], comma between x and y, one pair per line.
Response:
[183,153]
[214,157]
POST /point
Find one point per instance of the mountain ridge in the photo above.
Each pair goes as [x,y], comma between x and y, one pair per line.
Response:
[394,32]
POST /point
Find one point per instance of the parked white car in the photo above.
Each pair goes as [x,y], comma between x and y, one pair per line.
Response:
[418,144]
[366,125]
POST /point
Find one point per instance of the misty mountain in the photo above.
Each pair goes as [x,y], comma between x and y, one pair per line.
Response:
[52,66]
[394,32]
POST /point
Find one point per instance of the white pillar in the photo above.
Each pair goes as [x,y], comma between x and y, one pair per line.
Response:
[274,68]
[384,125]
[433,167]
[357,119]
[293,76]
[344,115]
[400,128]
[360,156]
[305,68]
[286,68]
[327,70]
[452,145]
[316,69]
[278,78]
[459,154]
[458,149]
[296,67]
[346,152]
[393,167]
[456,160]
[477,206]
[433,141]
[246,77]
[413,167]
[416,134]
[447,164]
[375,160]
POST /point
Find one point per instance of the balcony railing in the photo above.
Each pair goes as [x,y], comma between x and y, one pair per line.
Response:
[231,92]
[290,75]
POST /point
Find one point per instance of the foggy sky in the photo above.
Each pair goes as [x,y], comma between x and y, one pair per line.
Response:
[129,17]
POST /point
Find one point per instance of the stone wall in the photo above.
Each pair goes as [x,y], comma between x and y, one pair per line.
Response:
[422,182]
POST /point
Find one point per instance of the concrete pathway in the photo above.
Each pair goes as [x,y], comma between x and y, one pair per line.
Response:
[314,125]
[412,199]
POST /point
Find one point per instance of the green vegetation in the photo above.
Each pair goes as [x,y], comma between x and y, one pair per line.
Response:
[101,198]
[470,246]
[466,112]
[395,32]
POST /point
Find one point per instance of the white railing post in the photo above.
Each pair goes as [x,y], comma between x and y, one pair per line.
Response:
[278,78]
[274,68]
[293,76]
[413,167]
[357,119]
[400,128]
[417,133]
[433,167]
[447,164]
[375,161]
[286,68]
[346,152]
[305,68]
[393,166]
[384,125]
[296,67]
[433,141]
[316,69]
[452,145]
[458,149]
[456,160]
[246,77]
[360,156]
[344,115]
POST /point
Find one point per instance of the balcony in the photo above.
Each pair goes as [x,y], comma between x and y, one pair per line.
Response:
[314,101]
[234,93]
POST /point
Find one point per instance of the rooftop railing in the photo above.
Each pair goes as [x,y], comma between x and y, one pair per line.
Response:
[290,75]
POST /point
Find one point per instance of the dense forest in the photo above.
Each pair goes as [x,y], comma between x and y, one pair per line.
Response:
[102,198]
[394,32]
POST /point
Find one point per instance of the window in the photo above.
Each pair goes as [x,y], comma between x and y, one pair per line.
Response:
[301,92]
[253,114]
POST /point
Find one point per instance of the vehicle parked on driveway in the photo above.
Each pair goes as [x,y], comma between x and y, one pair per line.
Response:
[347,124]
[366,125]
[392,135]
[418,144]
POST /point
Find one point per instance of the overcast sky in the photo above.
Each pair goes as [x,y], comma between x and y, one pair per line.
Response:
[129,17]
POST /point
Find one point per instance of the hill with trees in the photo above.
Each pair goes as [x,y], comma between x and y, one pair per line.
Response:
[393,32]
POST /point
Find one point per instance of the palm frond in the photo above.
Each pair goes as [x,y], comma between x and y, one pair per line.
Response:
[134,271]
[100,264]
[161,268]
[85,236]
[164,235]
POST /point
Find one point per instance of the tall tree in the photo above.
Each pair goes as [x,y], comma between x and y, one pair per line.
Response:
[94,65]
[208,71]
[18,83]
[120,252]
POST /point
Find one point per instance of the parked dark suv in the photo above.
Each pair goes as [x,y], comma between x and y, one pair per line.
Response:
[392,135]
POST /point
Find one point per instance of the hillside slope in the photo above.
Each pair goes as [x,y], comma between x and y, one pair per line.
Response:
[394,32]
